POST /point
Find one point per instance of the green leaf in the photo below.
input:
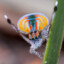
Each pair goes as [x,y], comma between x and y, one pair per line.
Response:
[54,44]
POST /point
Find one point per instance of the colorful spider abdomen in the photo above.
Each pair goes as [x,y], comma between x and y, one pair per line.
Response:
[32,24]
[33,27]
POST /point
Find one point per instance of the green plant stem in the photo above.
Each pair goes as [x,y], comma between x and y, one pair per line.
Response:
[54,44]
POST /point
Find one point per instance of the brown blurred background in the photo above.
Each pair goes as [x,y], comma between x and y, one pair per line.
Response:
[13,49]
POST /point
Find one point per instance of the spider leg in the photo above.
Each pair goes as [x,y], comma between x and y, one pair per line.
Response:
[15,28]
[53,14]
[10,23]
[35,46]
[45,32]
[47,29]
[33,51]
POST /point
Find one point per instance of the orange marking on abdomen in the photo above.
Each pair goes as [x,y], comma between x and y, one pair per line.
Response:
[33,27]
[26,20]
[35,34]
[40,28]
[27,30]
[30,27]
[37,15]
[31,35]
[28,36]
[25,17]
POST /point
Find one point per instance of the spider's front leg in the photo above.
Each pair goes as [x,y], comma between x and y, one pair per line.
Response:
[10,23]
[15,28]
[45,33]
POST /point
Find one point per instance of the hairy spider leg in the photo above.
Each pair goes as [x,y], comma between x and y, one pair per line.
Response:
[15,28]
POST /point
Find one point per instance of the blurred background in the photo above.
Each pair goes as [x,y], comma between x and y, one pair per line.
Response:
[13,49]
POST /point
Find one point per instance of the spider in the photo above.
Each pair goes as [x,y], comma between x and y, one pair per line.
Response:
[36,26]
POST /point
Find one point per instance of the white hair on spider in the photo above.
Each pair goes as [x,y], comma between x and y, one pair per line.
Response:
[5,16]
[56,3]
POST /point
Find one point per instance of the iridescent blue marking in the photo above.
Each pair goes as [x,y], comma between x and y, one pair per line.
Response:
[33,36]
[34,27]
[28,26]
[31,19]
